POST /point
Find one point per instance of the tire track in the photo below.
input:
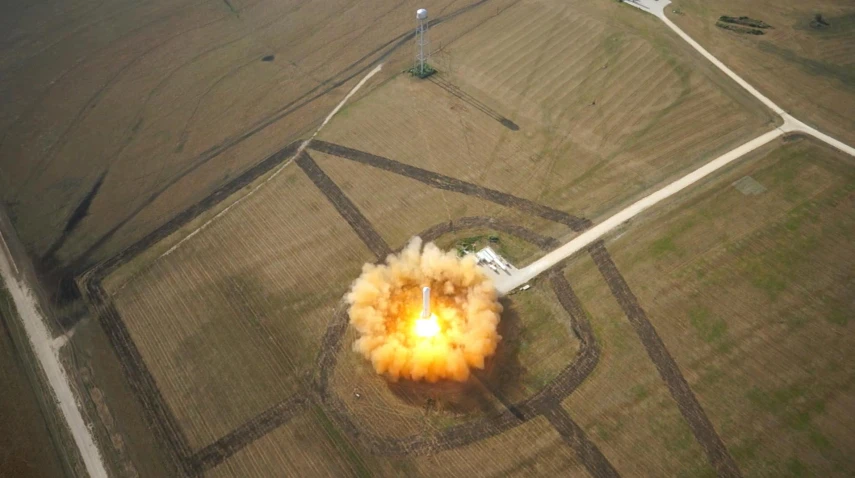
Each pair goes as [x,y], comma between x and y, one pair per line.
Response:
[593,459]
[691,410]
[345,207]
[447,183]
[278,415]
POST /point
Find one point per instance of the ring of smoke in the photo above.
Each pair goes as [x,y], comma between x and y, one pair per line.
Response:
[386,299]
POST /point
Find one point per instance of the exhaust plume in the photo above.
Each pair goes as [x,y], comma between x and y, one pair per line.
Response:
[386,310]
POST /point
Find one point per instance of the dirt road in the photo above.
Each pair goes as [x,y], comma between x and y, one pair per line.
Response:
[591,235]
[15,279]
[790,125]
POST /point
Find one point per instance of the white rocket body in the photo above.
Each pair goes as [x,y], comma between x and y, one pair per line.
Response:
[426,303]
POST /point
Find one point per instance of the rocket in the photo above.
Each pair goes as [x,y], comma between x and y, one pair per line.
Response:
[425,302]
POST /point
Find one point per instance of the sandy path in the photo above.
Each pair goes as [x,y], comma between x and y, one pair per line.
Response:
[48,357]
[790,125]
[588,237]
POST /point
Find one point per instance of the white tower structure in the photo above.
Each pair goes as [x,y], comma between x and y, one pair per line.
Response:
[422,43]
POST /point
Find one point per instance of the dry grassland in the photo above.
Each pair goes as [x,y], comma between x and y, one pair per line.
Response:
[400,207]
[624,406]
[542,65]
[168,100]
[307,446]
[810,72]
[537,344]
[229,323]
[530,449]
[752,294]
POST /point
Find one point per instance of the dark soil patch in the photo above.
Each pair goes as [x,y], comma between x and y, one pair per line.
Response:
[819,22]
[744,21]
[739,29]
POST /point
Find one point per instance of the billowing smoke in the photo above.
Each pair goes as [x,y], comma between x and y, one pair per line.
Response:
[386,305]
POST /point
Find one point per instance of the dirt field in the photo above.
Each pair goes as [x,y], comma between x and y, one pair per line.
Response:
[229,354]
[748,281]
[117,115]
[807,70]
[616,107]
[261,301]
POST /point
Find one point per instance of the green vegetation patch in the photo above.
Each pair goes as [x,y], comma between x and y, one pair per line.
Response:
[517,251]
[739,29]
[744,21]
[708,326]
[423,71]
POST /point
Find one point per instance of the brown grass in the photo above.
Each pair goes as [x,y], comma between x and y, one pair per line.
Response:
[531,449]
[306,446]
[752,296]
[810,73]
[400,207]
[230,321]
[542,65]
[146,92]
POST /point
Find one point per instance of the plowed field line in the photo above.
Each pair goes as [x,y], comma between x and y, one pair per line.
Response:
[688,404]
[345,207]
[278,415]
[448,183]
[593,459]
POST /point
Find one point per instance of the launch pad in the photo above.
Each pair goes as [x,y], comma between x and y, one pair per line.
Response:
[496,267]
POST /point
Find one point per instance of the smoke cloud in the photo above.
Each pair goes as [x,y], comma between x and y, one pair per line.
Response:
[385,303]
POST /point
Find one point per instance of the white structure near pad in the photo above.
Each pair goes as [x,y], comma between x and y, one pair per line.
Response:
[497,268]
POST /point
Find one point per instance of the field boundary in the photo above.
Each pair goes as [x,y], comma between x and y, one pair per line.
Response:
[345,207]
[448,183]
[670,373]
[540,403]
[142,383]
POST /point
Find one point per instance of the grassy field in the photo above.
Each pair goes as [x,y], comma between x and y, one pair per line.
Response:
[623,405]
[807,70]
[117,115]
[400,207]
[750,287]
[307,446]
[261,300]
[579,107]
[606,105]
